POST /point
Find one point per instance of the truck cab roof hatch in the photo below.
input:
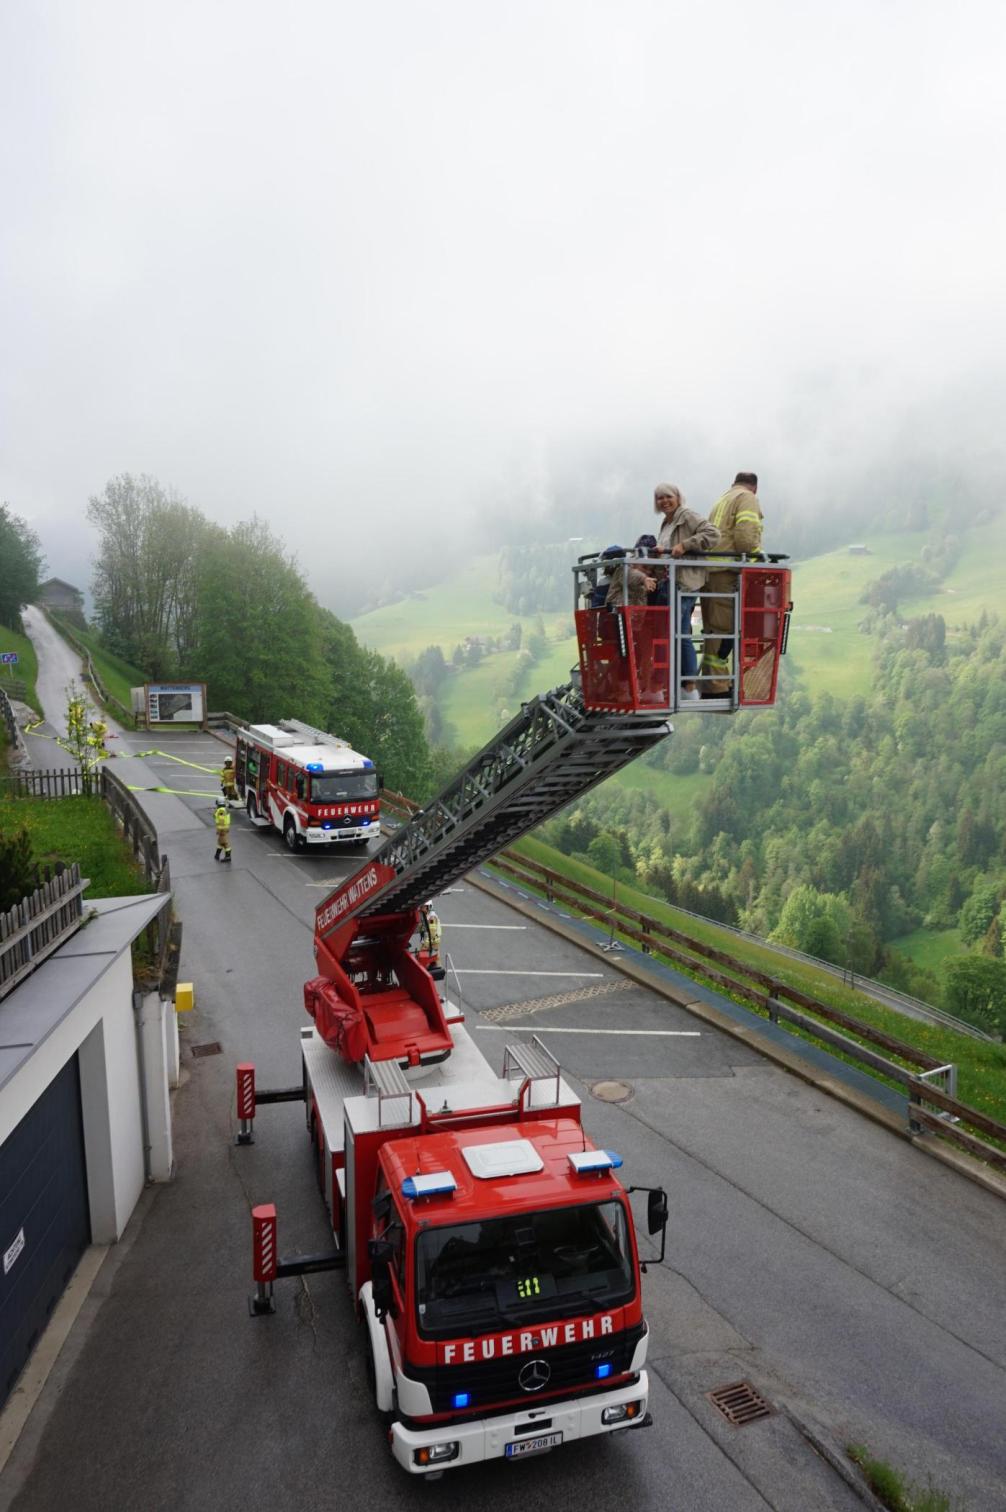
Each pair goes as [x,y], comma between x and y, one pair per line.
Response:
[508,1157]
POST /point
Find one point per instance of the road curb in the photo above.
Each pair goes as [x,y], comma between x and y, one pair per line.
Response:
[789,1060]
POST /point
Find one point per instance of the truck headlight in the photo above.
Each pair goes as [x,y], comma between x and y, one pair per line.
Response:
[436,1454]
[623,1414]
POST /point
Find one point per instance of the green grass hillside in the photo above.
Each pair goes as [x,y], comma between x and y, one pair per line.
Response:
[445,614]
[26,669]
[826,645]
[117,675]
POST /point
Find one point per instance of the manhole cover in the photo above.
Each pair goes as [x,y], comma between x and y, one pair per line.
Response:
[740,1403]
[612,1091]
[212,1048]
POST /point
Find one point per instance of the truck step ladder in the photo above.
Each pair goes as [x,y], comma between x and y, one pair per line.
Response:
[532,1063]
[387,1079]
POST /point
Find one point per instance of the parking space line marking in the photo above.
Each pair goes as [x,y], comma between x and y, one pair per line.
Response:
[639,1033]
[571,975]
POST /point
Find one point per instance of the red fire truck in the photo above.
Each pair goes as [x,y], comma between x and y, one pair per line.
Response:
[489,1245]
[311,786]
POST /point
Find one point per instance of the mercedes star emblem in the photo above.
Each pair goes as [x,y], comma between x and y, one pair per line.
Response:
[534,1375]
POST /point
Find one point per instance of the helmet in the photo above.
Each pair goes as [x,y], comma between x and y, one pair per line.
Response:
[221,804]
[229,761]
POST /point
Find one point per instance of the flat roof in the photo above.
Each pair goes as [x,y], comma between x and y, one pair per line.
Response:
[40,1003]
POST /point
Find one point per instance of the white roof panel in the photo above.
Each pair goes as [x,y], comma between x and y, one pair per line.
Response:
[511,1157]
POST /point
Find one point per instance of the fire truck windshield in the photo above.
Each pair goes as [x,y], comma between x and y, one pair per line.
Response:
[338,787]
[477,1277]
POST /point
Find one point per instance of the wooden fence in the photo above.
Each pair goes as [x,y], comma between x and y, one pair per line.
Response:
[909,1068]
[62,782]
[38,925]
[162,936]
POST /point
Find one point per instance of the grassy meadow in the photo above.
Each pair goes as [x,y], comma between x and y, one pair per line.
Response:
[26,669]
[77,829]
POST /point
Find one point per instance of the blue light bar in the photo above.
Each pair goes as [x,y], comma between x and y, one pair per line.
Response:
[590,1162]
[464,1398]
[315,766]
[434,1184]
[367,762]
[602,1372]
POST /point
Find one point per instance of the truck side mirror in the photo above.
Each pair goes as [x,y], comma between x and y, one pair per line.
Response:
[381,1253]
[656,1211]
[381,1206]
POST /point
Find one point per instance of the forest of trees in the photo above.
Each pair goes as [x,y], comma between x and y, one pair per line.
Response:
[836,826]
[20,565]
[180,597]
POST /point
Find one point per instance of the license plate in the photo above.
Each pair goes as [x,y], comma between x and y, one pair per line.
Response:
[533,1445]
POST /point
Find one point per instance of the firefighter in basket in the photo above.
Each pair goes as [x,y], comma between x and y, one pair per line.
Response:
[222,822]
[228,785]
[430,930]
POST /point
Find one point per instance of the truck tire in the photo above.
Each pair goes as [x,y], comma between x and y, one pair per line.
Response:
[290,837]
[252,807]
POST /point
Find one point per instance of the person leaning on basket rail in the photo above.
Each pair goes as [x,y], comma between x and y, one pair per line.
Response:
[684,533]
[640,585]
[738,517]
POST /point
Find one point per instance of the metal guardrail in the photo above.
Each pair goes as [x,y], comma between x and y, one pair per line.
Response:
[763,992]
[12,727]
[890,997]
[38,925]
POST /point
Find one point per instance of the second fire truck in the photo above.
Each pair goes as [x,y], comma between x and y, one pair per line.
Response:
[310,786]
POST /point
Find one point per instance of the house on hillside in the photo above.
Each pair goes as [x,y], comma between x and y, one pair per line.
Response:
[859,550]
[63,597]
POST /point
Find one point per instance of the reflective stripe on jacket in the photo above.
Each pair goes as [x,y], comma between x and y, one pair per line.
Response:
[739,520]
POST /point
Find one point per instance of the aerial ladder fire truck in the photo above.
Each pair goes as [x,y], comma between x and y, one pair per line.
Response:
[489,1246]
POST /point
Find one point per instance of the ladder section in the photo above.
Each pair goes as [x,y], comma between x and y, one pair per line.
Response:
[549,754]
[532,1064]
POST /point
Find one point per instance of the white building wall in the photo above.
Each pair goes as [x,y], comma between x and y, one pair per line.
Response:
[101,1027]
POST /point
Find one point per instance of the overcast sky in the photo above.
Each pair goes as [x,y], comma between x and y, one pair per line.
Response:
[366,269]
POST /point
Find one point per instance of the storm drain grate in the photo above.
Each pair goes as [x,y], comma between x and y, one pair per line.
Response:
[740,1403]
[212,1048]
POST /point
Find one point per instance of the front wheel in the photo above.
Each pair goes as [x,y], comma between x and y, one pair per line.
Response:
[252,807]
[290,834]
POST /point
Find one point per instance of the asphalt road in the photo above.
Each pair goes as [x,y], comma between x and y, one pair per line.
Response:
[852,1280]
[58,667]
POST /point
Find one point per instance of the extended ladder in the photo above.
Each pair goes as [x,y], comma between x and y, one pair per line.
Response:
[549,754]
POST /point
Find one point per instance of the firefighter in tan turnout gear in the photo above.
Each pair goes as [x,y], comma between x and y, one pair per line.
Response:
[738,518]
[222,824]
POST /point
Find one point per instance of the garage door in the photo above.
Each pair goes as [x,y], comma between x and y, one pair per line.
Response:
[44,1220]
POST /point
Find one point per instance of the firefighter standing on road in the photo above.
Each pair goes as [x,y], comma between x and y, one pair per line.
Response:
[228,786]
[96,739]
[738,518]
[222,820]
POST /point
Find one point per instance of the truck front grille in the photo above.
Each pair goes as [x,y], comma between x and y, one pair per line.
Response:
[492,1381]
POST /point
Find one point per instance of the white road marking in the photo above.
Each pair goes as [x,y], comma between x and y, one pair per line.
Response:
[448,925]
[573,975]
[645,1033]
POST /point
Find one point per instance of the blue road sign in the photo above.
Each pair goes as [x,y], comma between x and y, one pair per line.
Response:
[9,658]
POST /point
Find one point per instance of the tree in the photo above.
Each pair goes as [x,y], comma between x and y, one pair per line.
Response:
[817,923]
[146,572]
[21,561]
[17,869]
[976,991]
[258,637]
[978,913]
